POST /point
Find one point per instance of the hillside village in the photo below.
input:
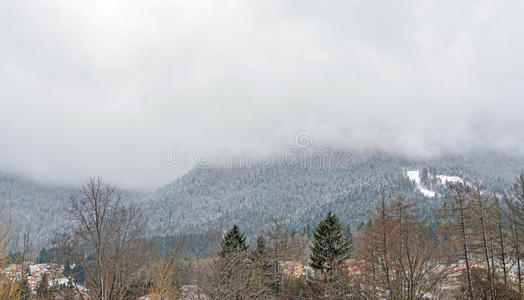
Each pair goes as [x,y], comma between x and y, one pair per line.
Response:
[288,270]
[471,245]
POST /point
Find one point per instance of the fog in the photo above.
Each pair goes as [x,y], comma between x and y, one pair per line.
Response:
[104,87]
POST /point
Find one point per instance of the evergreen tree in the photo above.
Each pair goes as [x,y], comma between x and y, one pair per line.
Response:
[236,273]
[261,246]
[262,264]
[329,244]
[349,237]
[42,256]
[424,176]
[233,242]
[67,268]
[433,172]
[78,273]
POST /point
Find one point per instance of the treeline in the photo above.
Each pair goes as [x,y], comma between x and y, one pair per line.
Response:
[474,252]
[214,198]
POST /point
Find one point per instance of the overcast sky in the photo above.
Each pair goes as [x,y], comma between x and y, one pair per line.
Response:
[104,87]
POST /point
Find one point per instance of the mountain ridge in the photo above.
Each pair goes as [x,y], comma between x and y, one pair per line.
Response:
[213,197]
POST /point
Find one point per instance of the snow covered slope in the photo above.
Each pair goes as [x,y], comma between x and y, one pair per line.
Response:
[415,176]
[301,194]
[452,179]
[438,182]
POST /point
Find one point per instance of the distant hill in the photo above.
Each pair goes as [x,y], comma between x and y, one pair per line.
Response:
[43,207]
[300,194]
[213,198]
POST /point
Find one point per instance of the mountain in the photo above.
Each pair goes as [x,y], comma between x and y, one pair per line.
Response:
[25,202]
[43,207]
[299,194]
[298,191]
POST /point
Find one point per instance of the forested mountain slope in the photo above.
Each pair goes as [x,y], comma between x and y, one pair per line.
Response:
[213,198]
[300,194]
[42,207]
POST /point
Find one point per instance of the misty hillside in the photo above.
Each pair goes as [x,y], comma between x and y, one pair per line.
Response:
[215,198]
[24,202]
[298,194]
[43,207]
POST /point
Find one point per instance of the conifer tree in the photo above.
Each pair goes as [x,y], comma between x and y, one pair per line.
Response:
[262,263]
[233,242]
[67,268]
[424,176]
[42,256]
[236,273]
[349,237]
[329,244]
[261,246]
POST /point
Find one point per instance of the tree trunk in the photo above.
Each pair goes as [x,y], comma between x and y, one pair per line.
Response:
[501,242]
[465,245]
[479,200]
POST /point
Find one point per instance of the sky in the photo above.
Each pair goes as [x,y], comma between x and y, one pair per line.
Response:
[109,87]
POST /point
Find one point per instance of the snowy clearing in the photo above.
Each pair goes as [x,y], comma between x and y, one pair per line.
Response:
[415,176]
[452,179]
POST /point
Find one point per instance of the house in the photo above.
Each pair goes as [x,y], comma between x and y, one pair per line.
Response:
[353,266]
[291,269]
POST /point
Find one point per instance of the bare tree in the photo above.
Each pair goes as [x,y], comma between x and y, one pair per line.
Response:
[106,240]
[375,249]
[502,237]
[483,232]
[164,276]
[237,277]
[516,240]
[398,256]
[276,252]
[11,279]
[235,273]
[456,212]
[515,203]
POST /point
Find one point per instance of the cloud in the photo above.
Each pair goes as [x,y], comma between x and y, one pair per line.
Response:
[103,87]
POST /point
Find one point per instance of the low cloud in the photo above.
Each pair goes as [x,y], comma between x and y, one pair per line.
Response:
[98,87]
